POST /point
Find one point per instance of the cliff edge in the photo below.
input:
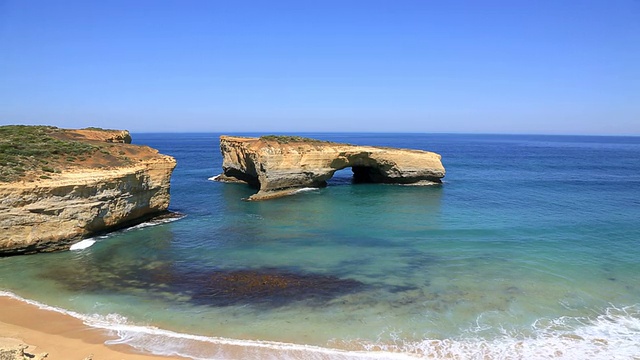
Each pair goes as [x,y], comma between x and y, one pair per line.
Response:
[280,165]
[58,186]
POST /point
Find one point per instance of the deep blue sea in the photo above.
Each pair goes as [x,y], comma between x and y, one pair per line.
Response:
[530,249]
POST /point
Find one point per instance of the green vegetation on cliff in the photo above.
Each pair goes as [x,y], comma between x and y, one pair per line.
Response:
[32,148]
[286,139]
[31,152]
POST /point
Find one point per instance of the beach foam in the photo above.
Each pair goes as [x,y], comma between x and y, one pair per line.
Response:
[168,343]
[612,334]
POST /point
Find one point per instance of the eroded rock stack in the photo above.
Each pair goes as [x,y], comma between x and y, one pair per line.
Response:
[280,165]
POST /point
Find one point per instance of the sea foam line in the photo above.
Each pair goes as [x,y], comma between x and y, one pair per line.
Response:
[306,189]
[169,343]
[156,222]
[88,242]
[613,334]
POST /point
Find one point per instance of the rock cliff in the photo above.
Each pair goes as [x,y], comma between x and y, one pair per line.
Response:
[62,198]
[280,165]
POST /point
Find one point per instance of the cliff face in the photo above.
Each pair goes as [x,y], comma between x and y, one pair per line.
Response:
[279,166]
[48,212]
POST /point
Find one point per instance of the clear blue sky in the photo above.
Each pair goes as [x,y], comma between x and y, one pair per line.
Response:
[533,66]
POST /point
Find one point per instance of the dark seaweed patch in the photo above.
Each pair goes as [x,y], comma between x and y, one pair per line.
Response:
[271,287]
[265,287]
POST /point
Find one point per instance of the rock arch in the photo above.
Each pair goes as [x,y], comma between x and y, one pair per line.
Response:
[280,165]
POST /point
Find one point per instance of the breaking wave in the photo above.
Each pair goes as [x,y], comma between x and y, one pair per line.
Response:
[83,244]
[157,221]
[306,189]
[612,334]
[88,242]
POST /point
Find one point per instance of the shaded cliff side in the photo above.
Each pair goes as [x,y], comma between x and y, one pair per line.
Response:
[58,186]
[280,165]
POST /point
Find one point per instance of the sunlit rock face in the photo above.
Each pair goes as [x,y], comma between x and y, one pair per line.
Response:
[281,165]
[50,212]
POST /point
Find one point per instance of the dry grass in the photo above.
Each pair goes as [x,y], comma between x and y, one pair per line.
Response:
[287,139]
[32,152]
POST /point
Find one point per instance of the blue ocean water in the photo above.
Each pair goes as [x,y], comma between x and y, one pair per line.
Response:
[529,249]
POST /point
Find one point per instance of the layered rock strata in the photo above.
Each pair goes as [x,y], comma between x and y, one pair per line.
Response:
[50,212]
[280,165]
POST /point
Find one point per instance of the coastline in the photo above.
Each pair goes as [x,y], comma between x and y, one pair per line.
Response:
[524,280]
[62,336]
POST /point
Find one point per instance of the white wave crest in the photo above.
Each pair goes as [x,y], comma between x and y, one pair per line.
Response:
[613,334]
[297,191]
[83,244]
[422,183]
[169,343]
[154,222]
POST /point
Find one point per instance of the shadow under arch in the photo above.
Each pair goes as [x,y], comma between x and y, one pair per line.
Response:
[354,175]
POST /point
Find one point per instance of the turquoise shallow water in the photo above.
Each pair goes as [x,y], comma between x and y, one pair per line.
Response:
[528,250]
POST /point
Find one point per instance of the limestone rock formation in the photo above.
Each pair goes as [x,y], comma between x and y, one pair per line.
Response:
[15,349]
[115,185]
[280,165]
[95,134]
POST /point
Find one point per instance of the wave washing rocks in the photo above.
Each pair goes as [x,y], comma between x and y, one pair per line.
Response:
[283,165]
[72,184]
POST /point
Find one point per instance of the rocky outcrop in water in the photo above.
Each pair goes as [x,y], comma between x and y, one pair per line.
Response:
[280,165]
[64,198]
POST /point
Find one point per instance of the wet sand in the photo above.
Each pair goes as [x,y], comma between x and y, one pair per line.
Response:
[62,337]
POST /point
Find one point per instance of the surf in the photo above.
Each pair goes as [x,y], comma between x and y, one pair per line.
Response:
[614,333]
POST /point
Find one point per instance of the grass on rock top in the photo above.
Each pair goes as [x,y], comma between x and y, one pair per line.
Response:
[43,150]
[286,139]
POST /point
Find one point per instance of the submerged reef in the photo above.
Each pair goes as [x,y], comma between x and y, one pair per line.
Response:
[260,287]
[281,165]
[271,287]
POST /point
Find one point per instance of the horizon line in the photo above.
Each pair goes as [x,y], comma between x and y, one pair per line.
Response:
[380,132]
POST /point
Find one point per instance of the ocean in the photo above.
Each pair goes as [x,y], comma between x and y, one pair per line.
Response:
[530,249]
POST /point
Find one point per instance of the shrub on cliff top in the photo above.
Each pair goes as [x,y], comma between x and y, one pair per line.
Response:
[97,129]
[285,139]
[24,148]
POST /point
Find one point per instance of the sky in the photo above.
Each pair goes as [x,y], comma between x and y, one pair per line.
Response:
[476,66]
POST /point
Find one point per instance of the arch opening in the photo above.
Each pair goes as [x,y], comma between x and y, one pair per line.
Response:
[234,174]
[343,176]
[367,174]
[355,175]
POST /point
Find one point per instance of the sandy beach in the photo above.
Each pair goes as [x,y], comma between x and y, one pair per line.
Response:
[62,337]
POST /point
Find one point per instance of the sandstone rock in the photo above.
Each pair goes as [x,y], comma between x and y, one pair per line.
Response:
[15,349]
[279,166]
[110,136]
[48,213]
